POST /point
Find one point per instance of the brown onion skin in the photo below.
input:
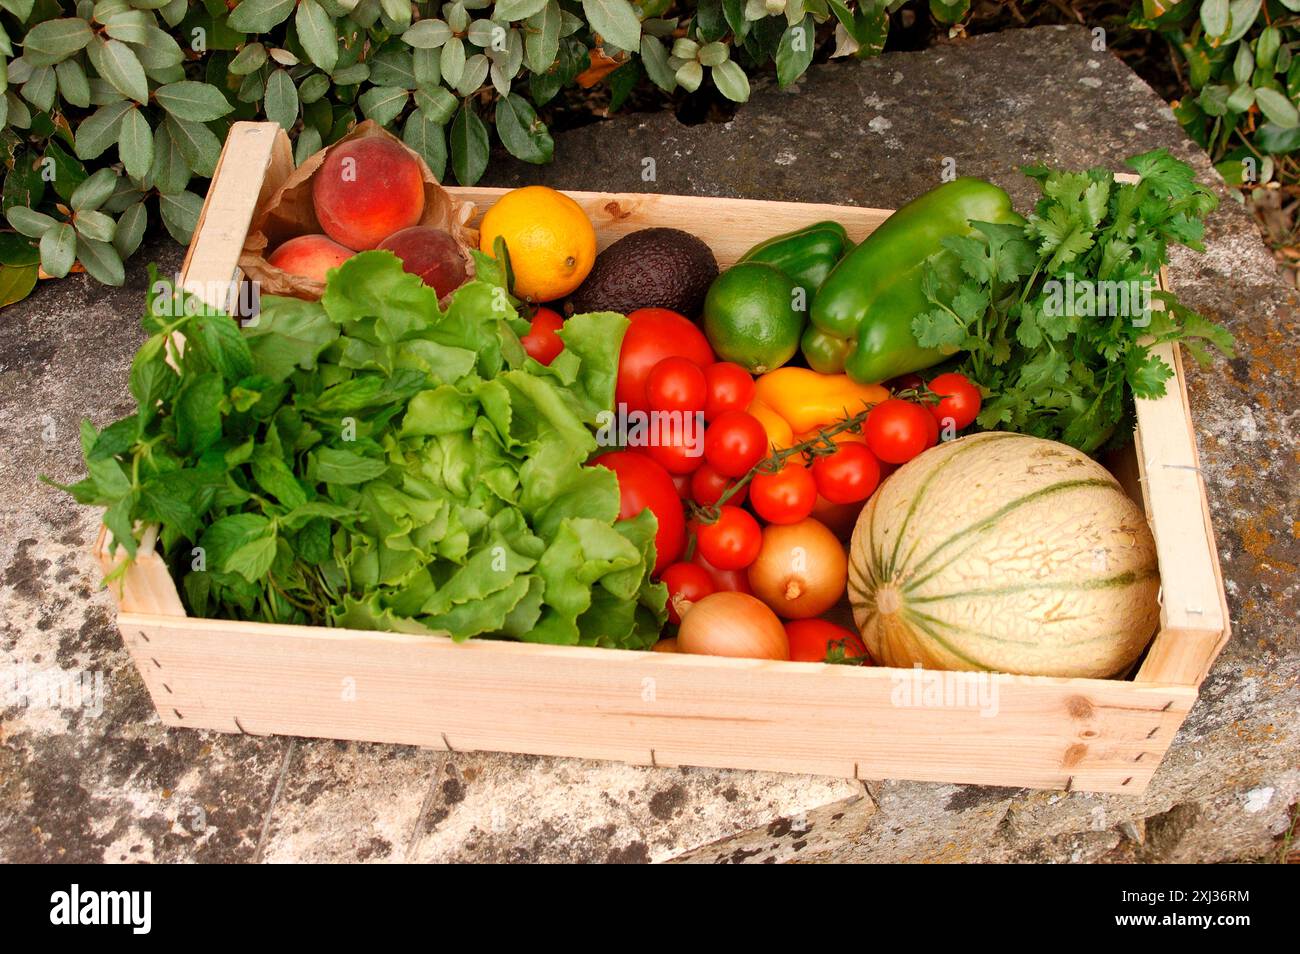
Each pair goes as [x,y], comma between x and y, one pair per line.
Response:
[668,645]
[799,585]
[732,624]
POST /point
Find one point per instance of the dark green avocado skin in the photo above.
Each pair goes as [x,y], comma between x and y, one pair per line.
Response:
[652,268]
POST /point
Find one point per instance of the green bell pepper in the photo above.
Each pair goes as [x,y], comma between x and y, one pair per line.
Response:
[862,315]
[807,255]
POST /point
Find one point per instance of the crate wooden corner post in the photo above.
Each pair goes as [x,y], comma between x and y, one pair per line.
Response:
[657,708]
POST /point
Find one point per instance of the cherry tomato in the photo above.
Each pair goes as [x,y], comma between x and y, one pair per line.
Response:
[676,384]
[683,484]
[786,496]
[812,639]
[730,388]
[734,443]
[542,343]
[959,400]
[897,430]
[655,334]
[730,581]
[687,583]
[848,475]
[643,484]
[905,382]
[732,541]
[674,453]
[707,485]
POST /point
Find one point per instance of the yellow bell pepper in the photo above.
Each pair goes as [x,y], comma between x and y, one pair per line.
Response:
[792,404]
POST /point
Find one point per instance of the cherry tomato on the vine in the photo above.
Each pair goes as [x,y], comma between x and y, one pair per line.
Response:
[542,343]
[730,581]
[730,388]
[674,453]
[732,541]
[905,382]
[898,430]
[707,485]
[959,400]
[652,335]
[687,583]
[734,443]
[786,496]
[676,384]
[811,639]
[848,475]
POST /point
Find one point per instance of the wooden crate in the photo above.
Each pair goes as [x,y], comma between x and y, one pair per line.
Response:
[662,709]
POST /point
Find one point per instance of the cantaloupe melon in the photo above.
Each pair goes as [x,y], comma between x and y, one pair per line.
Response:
[1007,553]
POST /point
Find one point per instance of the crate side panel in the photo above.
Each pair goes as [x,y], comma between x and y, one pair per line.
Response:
[651,708]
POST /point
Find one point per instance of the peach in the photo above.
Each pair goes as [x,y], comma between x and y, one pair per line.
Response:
[366,190]
[430,253]
[310,256]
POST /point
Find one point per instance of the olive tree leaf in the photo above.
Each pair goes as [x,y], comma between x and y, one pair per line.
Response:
[130,230]
[795,51]
[94,191]
[308,144]
[654,57]
[180,214]
[158,51]
[101,261]
[393,68]
[129,26]
[58,250]
[731,81]
[281,103]
[73,85]
[195,101]
[437,104]
[1280,110]
[615,21]
[383,104]
[453,60]
[29,222]
[317,34]
[197,143]
[542,39]
[52,41]
[427,65]
[522,133]
[506,11]
[469,145]
[313,88]
[251,57]
[135,145]
[427,34]
[169,172]
[16,283]
[1242,14]
[99,130]
[425,134]
[259,16]
[473,75]
[117,63]
[1214,17]
[94,225]
[41,88]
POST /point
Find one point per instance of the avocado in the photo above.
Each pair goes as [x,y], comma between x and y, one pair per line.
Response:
[652,268]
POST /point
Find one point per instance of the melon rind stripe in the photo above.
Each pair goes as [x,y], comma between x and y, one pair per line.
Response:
[1103,583]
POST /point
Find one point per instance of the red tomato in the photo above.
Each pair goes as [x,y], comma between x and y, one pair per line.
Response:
[686,582]
[898,430]
[676,384]
[683,484]
[732,541]
[786,496]
[959,400]
[675,454]
[655,334]
[730,388]
[542,343]
[905,382]
[643,484]
[812,639]
[707,485]
[848,475]
[734,443]
[730,581]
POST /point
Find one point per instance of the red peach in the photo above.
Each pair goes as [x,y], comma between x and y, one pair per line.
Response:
[366,190]
[430,253]
[309,256]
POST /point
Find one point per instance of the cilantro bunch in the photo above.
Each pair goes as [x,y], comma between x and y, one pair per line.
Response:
[372,461]
[1052,315]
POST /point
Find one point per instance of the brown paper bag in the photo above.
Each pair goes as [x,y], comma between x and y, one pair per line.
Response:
[288,212]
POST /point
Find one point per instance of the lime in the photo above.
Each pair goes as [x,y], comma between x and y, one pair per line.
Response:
[750,317]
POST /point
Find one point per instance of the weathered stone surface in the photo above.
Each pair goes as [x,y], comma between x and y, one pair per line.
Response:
[119,786]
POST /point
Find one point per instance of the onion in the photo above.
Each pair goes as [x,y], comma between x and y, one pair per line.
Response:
[801,570]
[732,624]
[668,645]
